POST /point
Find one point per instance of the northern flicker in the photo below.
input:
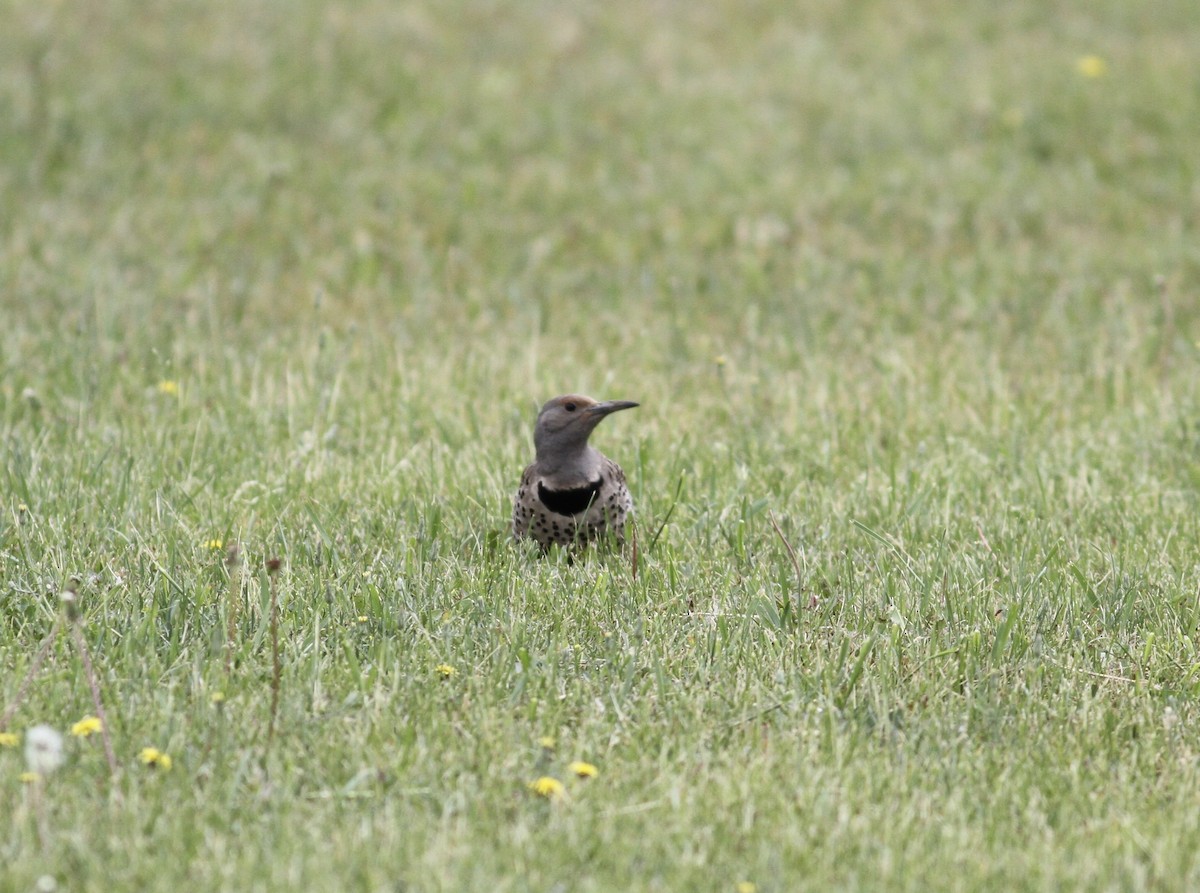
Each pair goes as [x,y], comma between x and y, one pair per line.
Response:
[572,493]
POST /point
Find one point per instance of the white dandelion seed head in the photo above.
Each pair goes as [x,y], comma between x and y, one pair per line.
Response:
[43,749]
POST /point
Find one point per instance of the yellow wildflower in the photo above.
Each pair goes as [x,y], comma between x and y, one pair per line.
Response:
[217,697]
[547,742]
[746,887]
[582,769]
[445,671]
[169,387]
[1091,66]
[362,618]
[155,759]
[214,544]
[550,788]
[9,739]
[30,777]
[86,726]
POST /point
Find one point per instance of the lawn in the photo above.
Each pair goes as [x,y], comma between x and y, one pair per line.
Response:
[909,293]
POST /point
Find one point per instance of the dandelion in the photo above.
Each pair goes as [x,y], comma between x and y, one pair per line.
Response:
[582,769]
[9,739]
[43,754]
[550,788]
[445,671]
[214,544]
[746,887]
[1091,66]
[362,618]
[89,725]
[217,698]
[153,758]
[43,750]
[69,599]
[547,742]
[169,387]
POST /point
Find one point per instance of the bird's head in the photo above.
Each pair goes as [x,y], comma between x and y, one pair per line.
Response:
[565,423]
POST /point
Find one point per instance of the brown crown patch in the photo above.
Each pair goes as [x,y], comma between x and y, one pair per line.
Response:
[580,401]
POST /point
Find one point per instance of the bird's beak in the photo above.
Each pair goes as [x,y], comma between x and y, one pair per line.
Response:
[610,406]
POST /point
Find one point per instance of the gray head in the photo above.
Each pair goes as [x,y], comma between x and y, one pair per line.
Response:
[565,423]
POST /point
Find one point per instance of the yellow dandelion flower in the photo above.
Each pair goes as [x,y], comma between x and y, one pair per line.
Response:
[721,359]
[583,770]
[9,739]
[550,788]
[217,697]
[214,544]
[547,742]
[1091,66]
[154,758]
[445,671]
[169,387]
[746,887]
[29,777]
[89,725]
[362,618]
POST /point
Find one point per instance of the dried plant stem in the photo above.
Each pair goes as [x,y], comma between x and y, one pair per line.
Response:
[276,662]
[792,555]
[34,668]
[634,557]
[39,810]
[791,552]
[94,684]
[233,563]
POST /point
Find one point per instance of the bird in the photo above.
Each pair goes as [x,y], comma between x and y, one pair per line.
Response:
[572,493]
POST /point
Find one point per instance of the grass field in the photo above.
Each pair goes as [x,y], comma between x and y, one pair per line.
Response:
[916,282]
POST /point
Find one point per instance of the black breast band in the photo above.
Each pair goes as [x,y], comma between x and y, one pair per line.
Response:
[570,502]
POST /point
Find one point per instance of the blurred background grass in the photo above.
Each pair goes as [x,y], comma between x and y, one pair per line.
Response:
[788,230]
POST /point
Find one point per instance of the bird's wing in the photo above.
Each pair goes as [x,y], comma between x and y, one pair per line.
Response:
[521,515]
[612,471]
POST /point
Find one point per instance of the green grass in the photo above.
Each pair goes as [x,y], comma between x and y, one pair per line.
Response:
[897,277]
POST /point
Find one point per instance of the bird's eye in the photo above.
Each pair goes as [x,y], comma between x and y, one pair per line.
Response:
[569,407]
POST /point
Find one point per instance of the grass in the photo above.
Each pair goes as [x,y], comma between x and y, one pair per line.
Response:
[899,278]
